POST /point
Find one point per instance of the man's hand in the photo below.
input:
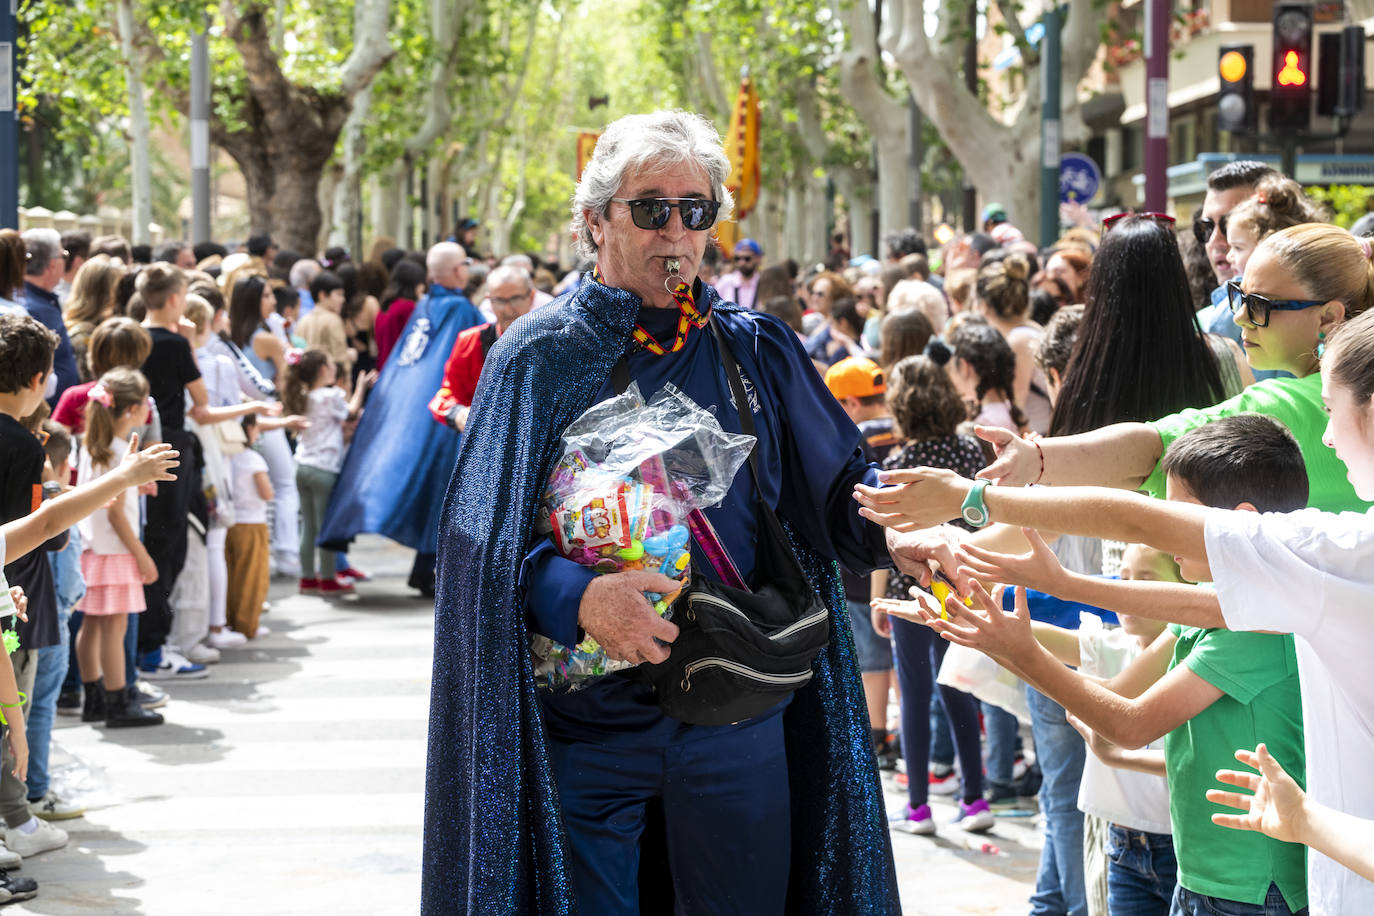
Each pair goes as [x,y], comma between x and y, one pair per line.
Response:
[989,629]
[616,614]
[1039,569]
[21,602]
[1018,461]
[920,498]
[1277,807]
[914,551]
[153,463]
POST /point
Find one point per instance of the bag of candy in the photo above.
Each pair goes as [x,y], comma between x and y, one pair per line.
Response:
[627,494]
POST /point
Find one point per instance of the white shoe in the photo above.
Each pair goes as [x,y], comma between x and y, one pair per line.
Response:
[9,860]
[226,639]
[202,654]
[45,837]
[53,807]
[262,631]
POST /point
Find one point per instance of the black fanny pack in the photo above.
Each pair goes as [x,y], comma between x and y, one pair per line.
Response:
[740,653]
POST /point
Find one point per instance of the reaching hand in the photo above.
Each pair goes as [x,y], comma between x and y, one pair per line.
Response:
[920,553]
[296,423]
[367,379]
[153,463]
[921,610]
[1101,748]
[21,602]
[1039,569]
[986,627]
[919,498]
[1018,461]
[616,614]
[1276,809]
[271,409]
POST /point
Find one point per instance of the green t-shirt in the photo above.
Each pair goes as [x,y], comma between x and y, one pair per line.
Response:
[1297,404]
[1258,674]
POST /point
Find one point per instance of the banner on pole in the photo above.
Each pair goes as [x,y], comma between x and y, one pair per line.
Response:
[586,145]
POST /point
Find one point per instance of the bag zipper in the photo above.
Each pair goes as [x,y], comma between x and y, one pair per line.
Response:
[785,632]
[743,671]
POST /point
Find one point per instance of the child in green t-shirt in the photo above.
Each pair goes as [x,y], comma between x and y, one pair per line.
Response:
[1207,691]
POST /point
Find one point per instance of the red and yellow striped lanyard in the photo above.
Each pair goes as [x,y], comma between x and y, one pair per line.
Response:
[688,318]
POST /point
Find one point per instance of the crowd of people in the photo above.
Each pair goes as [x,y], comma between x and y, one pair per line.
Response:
[1224,363]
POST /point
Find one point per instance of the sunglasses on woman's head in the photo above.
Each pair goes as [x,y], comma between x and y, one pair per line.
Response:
[1257,307]
[698,213]
[1203,228]
[1162,219]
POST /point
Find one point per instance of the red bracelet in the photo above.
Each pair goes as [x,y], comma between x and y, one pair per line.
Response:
[1036,442]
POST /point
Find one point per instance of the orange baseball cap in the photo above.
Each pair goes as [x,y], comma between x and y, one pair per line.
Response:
[855,377]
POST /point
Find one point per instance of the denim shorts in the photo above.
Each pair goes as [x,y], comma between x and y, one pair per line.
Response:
[874,651]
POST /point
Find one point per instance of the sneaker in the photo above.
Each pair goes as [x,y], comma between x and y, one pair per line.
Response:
[1020,767]
[310,586]
[201,654]
[14,888]
[975,818]
[225,639]
[149,696]
[44,838]
[167,664]
[53,807]
[68,704]
[943,780]
[335,586]
[1001,796]
[262,631]
[913,820]
[354,573]
[9,860]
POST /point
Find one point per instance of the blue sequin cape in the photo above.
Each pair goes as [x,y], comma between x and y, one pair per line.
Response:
[394,475]
[494,838]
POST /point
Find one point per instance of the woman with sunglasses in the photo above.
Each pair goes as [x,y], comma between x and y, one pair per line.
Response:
[1299,285]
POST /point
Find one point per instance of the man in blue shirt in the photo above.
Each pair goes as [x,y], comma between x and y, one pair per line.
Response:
[46,264]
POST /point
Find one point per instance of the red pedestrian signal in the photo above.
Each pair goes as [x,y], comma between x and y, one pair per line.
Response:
[1290,96]
[1291,74]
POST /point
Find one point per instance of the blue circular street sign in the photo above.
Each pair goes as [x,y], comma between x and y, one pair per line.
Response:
[1079,178]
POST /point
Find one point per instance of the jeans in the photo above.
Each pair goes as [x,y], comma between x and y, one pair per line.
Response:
[1002,730]
[1141,872]
[1059,750]
[1187,903]
[47,684]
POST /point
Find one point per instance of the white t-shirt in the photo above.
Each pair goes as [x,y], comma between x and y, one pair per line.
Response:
[249,507]
[322,444]
[1311,573]
[1127,798]
[6,603]
[97,534]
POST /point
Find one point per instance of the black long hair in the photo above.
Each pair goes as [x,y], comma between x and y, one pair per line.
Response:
[405,276]
[245,308]
[1140,354]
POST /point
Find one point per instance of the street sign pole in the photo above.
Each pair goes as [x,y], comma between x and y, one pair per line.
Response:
[1157,105]
[9,118]
[1050,129]
[200,138]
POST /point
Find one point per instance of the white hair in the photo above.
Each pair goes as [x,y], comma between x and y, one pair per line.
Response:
[303,271]
[636,141]
[43,246]
[918,295]
[519,260]
[509,273]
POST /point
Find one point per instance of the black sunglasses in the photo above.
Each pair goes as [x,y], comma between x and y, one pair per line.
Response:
[698,213]
[1204,226]
[1257,307]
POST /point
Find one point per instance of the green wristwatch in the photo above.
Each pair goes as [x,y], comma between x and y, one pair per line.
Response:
[973,510]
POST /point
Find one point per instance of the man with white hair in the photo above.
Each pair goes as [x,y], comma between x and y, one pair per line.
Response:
[395,474]
[46,264]
[555,800]
[300,275]
[525,263]
[510,294]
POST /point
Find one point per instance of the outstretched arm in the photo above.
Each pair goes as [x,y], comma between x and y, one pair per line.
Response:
[923,497]
[1121,455]
[1278,808]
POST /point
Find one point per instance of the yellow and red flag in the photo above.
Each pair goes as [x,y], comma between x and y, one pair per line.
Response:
[742,148]
[586,145]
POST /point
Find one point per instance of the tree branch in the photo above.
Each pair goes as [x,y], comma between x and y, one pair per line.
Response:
[1009,9]
[371,49]
[445,17]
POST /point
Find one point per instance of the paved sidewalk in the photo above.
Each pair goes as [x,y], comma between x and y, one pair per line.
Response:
[291,781]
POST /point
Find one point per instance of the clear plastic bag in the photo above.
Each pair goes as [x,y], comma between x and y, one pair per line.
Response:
[619,498]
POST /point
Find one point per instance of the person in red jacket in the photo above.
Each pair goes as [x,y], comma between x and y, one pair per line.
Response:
[511,293]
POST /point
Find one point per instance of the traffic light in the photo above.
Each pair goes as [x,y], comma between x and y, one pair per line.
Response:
[1236,102]
[1350,96]
[1290,98]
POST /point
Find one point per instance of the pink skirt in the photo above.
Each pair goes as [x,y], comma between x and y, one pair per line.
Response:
[113,584]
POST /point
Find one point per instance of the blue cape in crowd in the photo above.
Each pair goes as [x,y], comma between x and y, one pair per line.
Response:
[393,478]
[494,837]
